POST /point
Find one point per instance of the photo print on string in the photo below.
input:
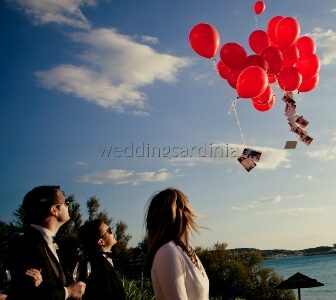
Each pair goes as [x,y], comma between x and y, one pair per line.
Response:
[296,123]
[290,145]
[249,158]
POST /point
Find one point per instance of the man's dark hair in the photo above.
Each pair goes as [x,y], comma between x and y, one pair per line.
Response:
[89,235]
[37,202]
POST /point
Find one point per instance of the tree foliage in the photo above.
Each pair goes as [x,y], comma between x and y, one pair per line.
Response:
[122,237]
[234,276]
[19,219]
[67,236]
[93,205]
[4,238]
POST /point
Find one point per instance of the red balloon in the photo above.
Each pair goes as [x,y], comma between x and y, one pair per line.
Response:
[265,107]
[252,82]
[204,40]
[272,23]
[259,7]
[233,55]
[232,77]
[306,45]
[290,56]
[289,79]
[287,32]
[274,59]
[223,69]
[309,84]
[264,97]
[258,41]
[308,65]
[255,60]
[271,78]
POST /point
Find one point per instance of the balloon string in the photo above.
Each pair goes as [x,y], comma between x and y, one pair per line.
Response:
[256,21]
[233,106]
[233,103]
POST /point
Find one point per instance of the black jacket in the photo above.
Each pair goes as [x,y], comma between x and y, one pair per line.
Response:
[104,282]
[31,251]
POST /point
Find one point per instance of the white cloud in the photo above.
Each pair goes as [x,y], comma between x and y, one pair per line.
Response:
[333,10]
[325,39]
[92,86]
[287,211]
[149,39]
[271,200]
[304,177]
[272,158]
[199,76]
[81,163]
[263,202]
[120,176]
[294,196]
[139,113]
[259,203]
[115,69]
[333,139]
[239,207]
[63,12]
[300,211]
[325,153]
[215,153]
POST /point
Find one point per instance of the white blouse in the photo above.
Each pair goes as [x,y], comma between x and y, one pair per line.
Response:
[175,277]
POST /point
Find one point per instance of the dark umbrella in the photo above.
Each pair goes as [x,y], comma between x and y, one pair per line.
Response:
[299,281]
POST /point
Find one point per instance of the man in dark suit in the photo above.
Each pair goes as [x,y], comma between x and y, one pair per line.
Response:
[104,283]
[46,210]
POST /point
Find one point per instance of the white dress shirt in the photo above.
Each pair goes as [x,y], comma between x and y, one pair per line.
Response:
[48,236]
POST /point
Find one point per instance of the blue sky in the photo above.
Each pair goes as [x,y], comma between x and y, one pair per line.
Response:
[82,77]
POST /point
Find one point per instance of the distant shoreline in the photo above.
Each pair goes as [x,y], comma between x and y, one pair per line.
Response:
[282,253]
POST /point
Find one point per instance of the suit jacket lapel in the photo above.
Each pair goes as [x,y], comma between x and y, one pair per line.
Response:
[55,265]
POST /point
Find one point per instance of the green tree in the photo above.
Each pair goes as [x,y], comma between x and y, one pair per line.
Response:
[122,237]
[71,227]
[4,237]
[93,205]
[120,228]
[234,276]
[19,219]
[67,236]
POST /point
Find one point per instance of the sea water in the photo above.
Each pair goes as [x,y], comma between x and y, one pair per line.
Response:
[319,267]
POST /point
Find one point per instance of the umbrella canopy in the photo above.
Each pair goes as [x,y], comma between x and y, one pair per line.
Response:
[299,281]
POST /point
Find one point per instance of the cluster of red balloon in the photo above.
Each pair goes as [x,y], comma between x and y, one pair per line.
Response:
[280,55]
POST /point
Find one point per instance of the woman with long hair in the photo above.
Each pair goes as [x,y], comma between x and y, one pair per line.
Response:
[176,271]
